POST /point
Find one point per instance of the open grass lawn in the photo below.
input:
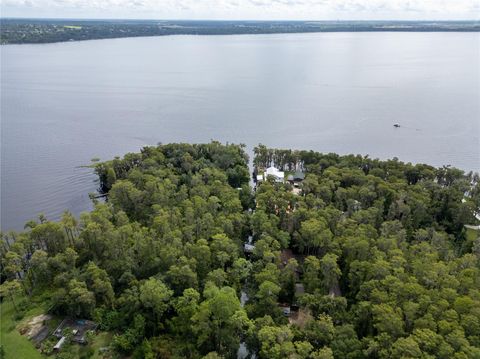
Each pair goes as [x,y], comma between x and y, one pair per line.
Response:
[15,345]
[472,234]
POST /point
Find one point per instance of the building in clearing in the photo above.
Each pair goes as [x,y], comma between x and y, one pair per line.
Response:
[278,175]
[296,178]
[78,327]
[248,248]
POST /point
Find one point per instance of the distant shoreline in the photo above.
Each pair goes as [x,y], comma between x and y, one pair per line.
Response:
[237,34]
[38,31]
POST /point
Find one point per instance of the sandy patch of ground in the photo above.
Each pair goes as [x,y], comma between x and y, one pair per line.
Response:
[35,325]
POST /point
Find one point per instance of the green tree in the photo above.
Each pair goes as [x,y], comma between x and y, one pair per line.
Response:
[10,288]
[315,236]
[220,321]
[155,296]
[330,273]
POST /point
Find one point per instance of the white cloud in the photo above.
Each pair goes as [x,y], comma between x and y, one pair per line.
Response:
[246,9]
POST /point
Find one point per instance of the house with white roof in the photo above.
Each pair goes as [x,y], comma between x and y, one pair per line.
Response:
[275,173]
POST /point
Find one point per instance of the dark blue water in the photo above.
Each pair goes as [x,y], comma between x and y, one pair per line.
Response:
[63,104]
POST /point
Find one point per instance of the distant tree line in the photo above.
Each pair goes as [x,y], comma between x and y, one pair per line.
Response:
[32,31]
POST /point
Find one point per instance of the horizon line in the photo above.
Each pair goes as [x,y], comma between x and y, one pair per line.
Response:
[233,20]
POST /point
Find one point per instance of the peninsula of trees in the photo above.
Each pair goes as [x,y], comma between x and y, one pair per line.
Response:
[33,31]
[367,259]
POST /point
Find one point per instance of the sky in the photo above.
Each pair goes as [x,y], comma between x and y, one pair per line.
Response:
[246,9]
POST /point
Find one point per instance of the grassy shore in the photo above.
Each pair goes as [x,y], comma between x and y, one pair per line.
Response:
[15,345]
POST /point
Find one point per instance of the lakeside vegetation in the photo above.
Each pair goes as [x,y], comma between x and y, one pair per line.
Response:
[33,31]
[14,345]
[371,258]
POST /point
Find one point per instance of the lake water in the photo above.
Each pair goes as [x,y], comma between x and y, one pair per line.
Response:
[64,104]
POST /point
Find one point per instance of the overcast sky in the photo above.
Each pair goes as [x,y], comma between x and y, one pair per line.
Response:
[246,9]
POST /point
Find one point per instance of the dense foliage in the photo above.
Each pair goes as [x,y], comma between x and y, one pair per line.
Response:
[372,257]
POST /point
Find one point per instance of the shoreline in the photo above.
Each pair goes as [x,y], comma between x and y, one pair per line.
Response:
[36,31]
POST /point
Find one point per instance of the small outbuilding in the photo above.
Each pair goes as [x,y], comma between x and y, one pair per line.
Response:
[286,310]
[78,327]
[296,178]
[299,176]
[248,248]
[299,289]
[60,343]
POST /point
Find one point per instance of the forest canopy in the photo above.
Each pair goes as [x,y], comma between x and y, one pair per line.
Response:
[368,259]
